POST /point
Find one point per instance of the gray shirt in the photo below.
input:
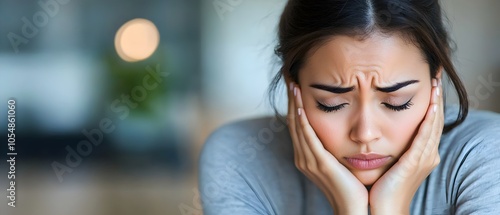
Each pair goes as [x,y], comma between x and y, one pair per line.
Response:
[247,167]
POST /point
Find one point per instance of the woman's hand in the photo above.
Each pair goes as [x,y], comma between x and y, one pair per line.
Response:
[394,191]
[344,191]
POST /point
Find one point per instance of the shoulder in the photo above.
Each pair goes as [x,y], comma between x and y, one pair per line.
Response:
[243,140]
[470,159]
[473,141]
[466,179]
[473,145]
[246,167]
[479,128]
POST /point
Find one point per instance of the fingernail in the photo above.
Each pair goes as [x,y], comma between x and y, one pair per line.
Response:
[299,111]
[434,82]
[433,108]
[295,91]
[291,86]
[437,91]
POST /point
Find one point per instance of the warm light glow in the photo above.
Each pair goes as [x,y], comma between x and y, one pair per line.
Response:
[137,40]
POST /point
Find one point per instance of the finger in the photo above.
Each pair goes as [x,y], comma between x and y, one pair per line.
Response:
[439,115]
[304,131]
[292,126]
[432,148]
[438,130]
[300,111]
[300,119]
[433,140]
[421,139]
[291,102]
[437,127]
[315,145]
[309,135]
[441,108]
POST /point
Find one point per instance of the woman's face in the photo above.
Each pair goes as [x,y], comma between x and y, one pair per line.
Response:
[366,96]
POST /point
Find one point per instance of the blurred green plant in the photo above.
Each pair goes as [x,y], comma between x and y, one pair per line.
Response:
[124,76]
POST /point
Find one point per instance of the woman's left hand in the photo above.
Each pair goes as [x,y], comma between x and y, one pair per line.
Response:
[393,192]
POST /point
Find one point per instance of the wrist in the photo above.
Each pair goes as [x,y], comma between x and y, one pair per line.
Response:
[350,209]
[393,206]
[390,209]
[352,212]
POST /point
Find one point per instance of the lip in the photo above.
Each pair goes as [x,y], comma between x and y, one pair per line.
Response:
[367,161]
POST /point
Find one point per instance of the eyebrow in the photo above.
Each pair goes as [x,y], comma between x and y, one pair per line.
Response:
[396,86]
[342,90]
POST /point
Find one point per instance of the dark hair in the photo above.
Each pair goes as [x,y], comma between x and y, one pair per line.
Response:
[305,24]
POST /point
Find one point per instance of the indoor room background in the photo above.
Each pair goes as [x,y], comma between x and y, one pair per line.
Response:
[114,99]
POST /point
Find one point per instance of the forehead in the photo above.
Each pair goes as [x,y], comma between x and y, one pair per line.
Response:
[386,56]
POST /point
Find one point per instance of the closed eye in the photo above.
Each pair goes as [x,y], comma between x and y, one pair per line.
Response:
[396,108]
[329,109]
[402,107]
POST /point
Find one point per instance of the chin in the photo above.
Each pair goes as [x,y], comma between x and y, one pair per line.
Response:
[368,177]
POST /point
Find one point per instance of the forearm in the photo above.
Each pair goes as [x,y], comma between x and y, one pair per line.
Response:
[388,212]
[390,209]
[349,209]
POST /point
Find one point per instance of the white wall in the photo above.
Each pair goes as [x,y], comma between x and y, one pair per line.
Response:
[237,52]
[476,30]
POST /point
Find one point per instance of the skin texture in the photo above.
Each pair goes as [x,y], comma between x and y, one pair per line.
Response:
[365,124]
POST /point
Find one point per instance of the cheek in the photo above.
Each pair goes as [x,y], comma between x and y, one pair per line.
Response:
[401,131]
[330,129]
[398,132]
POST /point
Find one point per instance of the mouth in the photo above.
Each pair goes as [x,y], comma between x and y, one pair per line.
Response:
[368,161]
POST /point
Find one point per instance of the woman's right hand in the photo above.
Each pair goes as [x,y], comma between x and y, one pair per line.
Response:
[346,194]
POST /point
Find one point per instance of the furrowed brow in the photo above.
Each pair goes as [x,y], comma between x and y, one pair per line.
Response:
[342,90]
[396,86]
[332,89]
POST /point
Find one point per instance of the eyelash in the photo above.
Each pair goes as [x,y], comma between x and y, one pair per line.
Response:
[330,109]
[405,106]
[398,108]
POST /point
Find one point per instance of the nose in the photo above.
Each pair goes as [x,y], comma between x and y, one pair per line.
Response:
[364,128]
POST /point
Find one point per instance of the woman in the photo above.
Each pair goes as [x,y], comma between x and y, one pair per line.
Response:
[367,130]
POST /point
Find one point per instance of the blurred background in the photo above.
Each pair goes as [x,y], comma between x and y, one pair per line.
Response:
[114,99]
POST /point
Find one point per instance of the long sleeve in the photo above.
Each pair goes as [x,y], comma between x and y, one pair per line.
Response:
[223,188]
[247,167]
[478,179]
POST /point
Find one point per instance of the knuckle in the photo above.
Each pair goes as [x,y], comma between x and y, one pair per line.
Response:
[437,161]
[303,125]
[311,167]
[298,164]
[299,167]
[411,162]
[427,151]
